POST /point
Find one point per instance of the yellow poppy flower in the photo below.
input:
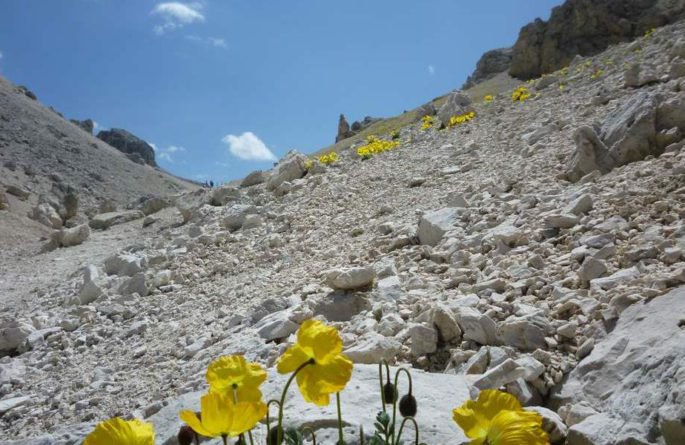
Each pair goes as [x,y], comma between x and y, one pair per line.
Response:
[118,431]
[329,370]
[497,418]
[233,372]
[220,416]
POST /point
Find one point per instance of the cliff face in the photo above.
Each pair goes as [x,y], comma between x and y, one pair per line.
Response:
[586,27]
[490,64]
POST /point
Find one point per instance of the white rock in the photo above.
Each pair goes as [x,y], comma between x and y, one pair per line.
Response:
[372,347]
[444,320]
[13,333]
[434,225]
[476,326]
[350,278]
[276,326]
[424,340]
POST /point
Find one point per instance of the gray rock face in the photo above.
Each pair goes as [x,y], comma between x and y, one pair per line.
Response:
[343,129]
[490,64]
[629,132]
[47,215]
[634,379]
[457,103]
[128,143]
[234,218]
[585,27]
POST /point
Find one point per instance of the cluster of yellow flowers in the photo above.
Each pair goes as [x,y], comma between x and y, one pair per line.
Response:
[520,94]
[650,32]
[375,146]
[597,74]
[427,122]
[460,119]
[308,164]
[233,405]
[488,98]
[328,158]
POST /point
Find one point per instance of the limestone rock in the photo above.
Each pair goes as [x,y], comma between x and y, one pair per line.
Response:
[372,347]
[457,103]
[234,218]
[591,154]
[288,169]
[13,333]
[107,220]
[434,225]
[632,399]
[69,237]
[254,178]
[489,65]
[350,278]
[47,215]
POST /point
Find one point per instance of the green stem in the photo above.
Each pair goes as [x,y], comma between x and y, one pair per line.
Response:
[311,432]
[361,435]
[340,429]
[416,430]
[279,429]
[394,405]
[224,439]
[249,434]
[380,378]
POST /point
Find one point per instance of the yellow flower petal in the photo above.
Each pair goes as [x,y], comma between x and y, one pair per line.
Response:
[320,342]
[221,417]
[118,431]
[517,428]
[191,419]
[474,417]
[233,372]
[291,359]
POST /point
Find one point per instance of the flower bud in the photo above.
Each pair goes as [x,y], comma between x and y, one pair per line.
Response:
[185,435]
[389,393]
[273,435]
[408,406]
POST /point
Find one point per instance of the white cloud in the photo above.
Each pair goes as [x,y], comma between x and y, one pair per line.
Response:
[431,69]
[215,41]
[248,147]
[166,153]
[176,15]
[211,41]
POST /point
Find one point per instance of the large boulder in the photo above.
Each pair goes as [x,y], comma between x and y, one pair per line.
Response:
[437,395]
[291,167]
[632,385]
[458,102]
[343,129]
[489,65]
[107,220]
[69,237]
[585,27]
[629,132]
[350,278]
[434,225]
[254,178]
[235,216]
[13,333]
[47,215]
[128,143]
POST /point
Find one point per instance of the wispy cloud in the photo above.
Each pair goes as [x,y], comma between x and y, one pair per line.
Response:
[248,147]
[176,15]
[167,154]
[211,41]
[431,69]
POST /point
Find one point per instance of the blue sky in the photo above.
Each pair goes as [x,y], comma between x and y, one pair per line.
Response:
[213,82]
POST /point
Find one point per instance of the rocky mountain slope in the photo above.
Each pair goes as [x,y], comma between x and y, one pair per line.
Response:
[538,248]
[577,27]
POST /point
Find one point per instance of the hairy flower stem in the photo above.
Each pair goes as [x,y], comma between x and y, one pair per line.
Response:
[279,429]
[340,429]
[224,439]
[394,405]
[416,430]
[310,431]
[380,378]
